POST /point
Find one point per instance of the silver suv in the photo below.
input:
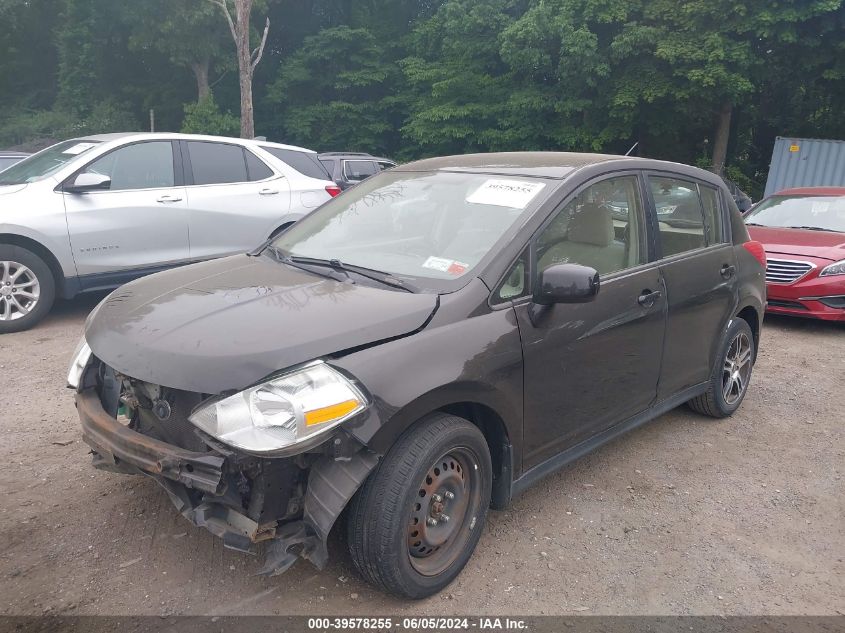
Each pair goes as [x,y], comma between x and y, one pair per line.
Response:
[93,213]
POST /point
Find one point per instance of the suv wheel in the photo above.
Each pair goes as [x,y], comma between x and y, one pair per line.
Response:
[731,373]
[416,520]
[27,289]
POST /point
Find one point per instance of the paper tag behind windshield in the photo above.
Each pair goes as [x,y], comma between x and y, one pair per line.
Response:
[515,194]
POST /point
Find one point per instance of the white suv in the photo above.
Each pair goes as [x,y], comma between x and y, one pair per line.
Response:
[94,212]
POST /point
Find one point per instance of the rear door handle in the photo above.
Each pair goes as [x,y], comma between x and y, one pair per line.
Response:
[648,297]
[168,198]
[268,192]
[727,271]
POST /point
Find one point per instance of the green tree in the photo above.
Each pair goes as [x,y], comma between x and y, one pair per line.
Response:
[189,32]
[204,117]
[458,83]
[338,92]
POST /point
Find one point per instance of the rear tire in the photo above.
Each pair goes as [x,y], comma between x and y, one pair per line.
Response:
[398,537]
[731,373]
[27,289]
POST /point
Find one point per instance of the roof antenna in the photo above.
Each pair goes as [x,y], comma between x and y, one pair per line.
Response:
[633,147]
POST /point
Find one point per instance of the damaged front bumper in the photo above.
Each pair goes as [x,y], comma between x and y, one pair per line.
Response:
[285,505]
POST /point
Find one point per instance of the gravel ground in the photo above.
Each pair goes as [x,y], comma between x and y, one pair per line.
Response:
[683,516]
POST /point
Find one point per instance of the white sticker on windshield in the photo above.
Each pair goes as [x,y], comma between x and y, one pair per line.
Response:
[445,265]
[73,150]
[506,193]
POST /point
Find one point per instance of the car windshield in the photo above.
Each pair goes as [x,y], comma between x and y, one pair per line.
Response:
[45,162]
[422,225]
[824,213]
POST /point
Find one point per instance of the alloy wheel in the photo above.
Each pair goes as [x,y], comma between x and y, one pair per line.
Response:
[19,290]
[736,369]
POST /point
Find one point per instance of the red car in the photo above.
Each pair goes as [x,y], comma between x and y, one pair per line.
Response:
[803,232]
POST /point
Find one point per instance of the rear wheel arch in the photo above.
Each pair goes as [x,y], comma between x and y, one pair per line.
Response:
[37,248]
[750,315]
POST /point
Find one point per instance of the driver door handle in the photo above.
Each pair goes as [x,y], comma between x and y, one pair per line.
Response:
[268,192]
[648,297]
[168,198]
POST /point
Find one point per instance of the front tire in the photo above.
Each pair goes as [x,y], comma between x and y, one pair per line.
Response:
[27,289]
[415,522]
[731,373]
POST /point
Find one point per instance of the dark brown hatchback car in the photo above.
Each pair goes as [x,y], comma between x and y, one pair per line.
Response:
[422,348]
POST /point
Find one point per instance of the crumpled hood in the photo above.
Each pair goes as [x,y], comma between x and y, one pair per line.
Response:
[822,244]
[228,323]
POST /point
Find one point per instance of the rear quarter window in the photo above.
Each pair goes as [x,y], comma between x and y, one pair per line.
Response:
[305,163]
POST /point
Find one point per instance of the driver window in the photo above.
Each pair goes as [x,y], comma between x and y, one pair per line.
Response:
[600,228]
[138,166]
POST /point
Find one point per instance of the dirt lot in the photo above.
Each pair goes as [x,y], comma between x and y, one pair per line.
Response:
[683,516]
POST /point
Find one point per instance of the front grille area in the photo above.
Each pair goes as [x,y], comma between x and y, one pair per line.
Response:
[784,271]
[157,412]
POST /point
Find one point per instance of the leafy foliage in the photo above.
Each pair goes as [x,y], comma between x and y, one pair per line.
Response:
[411,78]
[204,117]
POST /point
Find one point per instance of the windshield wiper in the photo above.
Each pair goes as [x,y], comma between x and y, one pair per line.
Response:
[280,256]
[814,228]
[370,273]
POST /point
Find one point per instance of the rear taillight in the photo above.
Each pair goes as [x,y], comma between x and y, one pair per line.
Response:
[332,190]
[756,249]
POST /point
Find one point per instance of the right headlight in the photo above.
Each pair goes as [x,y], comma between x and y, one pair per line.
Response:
[837,268]
[283,411]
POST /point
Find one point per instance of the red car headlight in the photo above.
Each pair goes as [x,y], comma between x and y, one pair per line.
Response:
[837,268]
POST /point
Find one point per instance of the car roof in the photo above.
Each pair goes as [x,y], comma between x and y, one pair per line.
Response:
[355,155]
[116,136]
[555,165]
[811,191]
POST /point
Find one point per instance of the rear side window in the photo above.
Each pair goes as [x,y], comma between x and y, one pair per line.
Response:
[216,163]
[712,214]
[256,169]
[356,170]
[679,214]
[305,163]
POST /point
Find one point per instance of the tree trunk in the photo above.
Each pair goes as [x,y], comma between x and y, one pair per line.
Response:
[242,11]
[247,121]
[200,69]
[247,59]
[720,142]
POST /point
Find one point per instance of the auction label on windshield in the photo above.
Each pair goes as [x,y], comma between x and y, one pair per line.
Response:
[515,194]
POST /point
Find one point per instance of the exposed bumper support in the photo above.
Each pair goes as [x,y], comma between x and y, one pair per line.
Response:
[117,445]
[203,489]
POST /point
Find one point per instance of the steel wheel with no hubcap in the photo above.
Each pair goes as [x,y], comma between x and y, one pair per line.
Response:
[443,513]
[736,368]
[19,290]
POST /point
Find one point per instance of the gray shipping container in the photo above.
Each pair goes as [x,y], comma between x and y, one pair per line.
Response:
[806,162]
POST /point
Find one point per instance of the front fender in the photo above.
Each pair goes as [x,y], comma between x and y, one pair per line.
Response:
[456,359]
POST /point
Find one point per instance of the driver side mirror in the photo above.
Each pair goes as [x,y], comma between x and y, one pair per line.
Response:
[567,283]
[88,182]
